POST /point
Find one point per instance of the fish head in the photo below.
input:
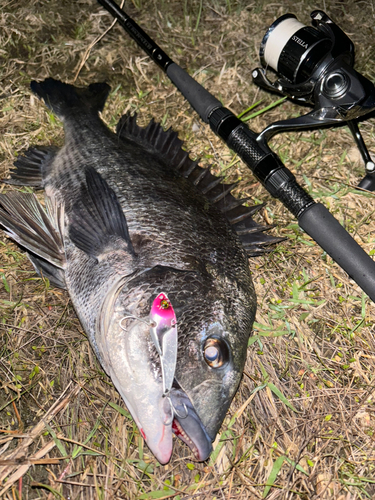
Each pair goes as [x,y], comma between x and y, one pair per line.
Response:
[213,327]
[213,339]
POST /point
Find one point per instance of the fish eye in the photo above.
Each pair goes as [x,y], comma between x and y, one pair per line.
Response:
[215,352]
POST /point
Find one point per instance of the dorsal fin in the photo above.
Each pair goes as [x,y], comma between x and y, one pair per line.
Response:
[169,147]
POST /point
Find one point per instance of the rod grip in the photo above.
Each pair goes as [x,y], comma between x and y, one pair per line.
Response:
[199,98]
[318,223]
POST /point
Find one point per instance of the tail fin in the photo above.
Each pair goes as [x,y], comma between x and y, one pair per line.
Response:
[63,98]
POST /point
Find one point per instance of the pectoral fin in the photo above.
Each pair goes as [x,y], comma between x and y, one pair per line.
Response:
[97,223]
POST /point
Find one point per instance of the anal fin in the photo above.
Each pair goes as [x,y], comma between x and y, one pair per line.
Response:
[31,167]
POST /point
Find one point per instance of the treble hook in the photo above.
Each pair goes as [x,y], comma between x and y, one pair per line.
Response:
[174,411]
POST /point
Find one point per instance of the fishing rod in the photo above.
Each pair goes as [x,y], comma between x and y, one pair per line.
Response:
[314,218]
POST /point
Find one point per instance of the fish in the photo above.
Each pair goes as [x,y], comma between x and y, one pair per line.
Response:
[127,216]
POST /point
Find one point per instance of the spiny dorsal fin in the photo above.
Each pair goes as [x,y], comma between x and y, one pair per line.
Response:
[63,98]
[169,147]
[97,222]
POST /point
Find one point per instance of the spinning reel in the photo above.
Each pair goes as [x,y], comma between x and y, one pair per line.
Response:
[315,67]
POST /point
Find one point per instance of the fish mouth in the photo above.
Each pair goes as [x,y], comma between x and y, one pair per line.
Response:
[188,427]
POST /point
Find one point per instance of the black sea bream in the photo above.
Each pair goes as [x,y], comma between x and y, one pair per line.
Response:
[128,216]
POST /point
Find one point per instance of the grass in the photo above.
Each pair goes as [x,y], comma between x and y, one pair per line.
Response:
[302,423]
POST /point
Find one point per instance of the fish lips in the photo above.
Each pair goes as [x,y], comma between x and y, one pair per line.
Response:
[188,426]
[210,397]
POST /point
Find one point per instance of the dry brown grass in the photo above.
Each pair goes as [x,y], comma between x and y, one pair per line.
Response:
[314,336]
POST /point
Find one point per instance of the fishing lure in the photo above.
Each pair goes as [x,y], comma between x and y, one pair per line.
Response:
[163,331]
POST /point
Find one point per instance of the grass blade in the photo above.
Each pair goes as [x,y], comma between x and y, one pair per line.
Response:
[278,463]
[263,110]
[281,396]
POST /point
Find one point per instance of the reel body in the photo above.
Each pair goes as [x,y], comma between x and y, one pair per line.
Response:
[315,67]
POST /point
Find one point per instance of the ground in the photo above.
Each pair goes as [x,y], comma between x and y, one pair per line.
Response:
[302,423]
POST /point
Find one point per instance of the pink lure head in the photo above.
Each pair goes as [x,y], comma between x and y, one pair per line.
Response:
[162,312]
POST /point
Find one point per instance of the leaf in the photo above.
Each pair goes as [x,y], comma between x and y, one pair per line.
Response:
[58,443]
[122,411]
[57,494]
[252,340]
[5,283]
[281,396]
[78,449]
[80,453]
[95,428]
[278,463]
[249,109]
[224,436]
[145,467]
[298,466]
[266,331]
[258,388]
[263,110]
[262,369]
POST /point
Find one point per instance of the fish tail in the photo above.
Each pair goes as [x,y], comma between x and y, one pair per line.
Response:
[63,98]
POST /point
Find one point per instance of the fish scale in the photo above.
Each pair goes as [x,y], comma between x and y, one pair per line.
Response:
[140,219]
